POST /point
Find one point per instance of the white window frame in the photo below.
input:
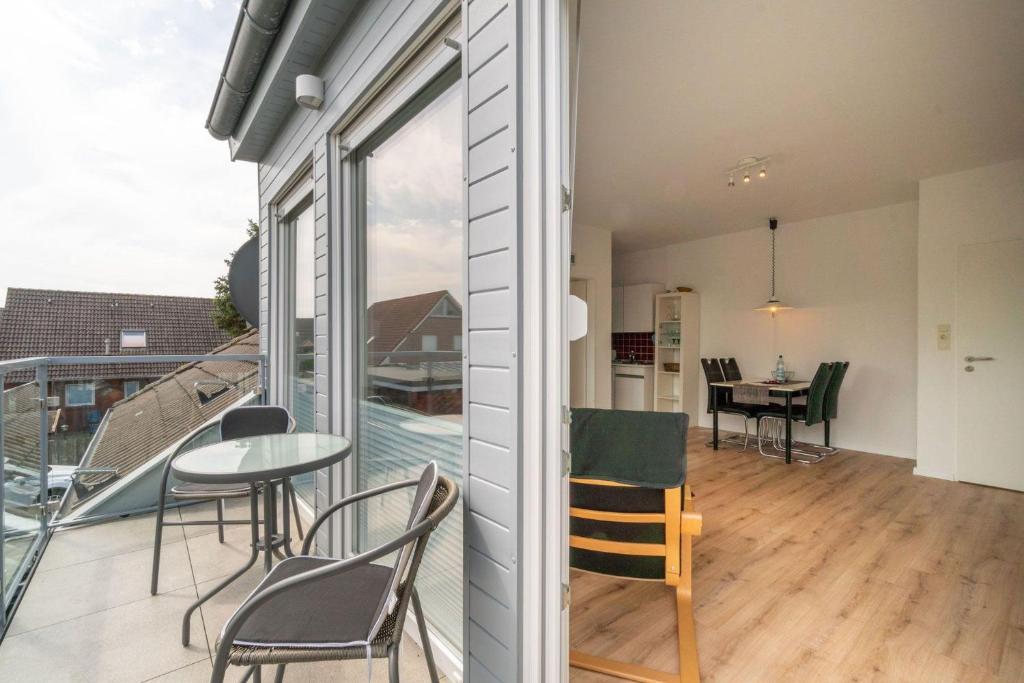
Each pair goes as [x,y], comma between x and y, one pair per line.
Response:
[67,394]
[457,342]
[134,333]
[420,65]
[124,387]
[423,342]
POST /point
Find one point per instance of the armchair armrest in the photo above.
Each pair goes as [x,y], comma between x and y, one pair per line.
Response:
[345,502]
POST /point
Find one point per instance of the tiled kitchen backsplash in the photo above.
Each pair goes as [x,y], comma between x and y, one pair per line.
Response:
[639,342]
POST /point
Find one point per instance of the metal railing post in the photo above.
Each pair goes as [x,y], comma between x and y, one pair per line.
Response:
[3,480]
[262,380]
[42,378]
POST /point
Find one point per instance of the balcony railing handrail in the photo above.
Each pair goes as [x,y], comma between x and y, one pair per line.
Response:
[31,362]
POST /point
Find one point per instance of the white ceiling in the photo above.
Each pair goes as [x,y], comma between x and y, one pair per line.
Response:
[855,102]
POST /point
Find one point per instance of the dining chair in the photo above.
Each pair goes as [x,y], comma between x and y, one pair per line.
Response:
[771,420]
[830,410]
[731,369]
[713,372]
[631,516]
[313,609]
[237,423]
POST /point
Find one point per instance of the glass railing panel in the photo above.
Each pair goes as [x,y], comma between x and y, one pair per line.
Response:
[23,494]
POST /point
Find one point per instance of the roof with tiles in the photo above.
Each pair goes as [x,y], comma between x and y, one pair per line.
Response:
[140,427]
[393,320]
[44,322]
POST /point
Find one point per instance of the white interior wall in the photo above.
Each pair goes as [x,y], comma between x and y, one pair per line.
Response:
[853,280]
[592,248]
[981,205]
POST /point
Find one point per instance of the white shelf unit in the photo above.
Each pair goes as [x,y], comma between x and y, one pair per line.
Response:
[677,340]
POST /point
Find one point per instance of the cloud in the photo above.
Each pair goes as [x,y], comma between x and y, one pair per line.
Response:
[110,181]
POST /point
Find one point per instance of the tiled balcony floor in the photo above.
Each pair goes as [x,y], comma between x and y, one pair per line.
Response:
[88,614]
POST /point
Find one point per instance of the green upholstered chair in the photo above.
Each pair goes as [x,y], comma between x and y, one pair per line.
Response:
[810,413]
[631,516]
[830,410]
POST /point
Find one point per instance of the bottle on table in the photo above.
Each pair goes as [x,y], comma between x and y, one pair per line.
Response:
[780,370]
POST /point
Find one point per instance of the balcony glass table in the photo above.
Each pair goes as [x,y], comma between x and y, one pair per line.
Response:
[260,462]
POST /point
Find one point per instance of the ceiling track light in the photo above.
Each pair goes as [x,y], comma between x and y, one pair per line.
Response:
[745,167]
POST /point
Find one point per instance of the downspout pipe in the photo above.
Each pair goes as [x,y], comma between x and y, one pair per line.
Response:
[257,26]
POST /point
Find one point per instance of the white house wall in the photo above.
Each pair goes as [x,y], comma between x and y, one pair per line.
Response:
[376,34]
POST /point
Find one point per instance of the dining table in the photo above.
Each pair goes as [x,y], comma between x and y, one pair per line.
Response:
[787,391]
[262,462]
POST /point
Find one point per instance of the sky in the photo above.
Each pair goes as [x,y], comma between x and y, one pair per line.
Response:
[109,180]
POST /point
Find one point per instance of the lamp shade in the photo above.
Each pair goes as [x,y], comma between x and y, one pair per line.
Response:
[772,306]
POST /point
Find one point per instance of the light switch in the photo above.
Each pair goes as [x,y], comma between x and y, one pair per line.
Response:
[943,337]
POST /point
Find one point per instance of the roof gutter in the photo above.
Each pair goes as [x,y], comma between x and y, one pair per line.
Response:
[257,26]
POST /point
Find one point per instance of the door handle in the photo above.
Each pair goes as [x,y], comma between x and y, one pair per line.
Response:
[975,359]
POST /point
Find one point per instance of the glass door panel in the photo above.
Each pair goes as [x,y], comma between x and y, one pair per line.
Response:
[303,303]
[410,198]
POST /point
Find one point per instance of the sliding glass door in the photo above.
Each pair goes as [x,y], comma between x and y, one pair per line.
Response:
[409,196]
[301,388]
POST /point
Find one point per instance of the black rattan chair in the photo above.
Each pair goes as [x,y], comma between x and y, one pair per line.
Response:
[312,609]
[234,424]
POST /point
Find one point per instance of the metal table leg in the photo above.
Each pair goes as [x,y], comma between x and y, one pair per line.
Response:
[714,418]
[789,427]
[254,512]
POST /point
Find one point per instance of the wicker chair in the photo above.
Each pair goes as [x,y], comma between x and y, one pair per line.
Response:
[234,424]
[313,609]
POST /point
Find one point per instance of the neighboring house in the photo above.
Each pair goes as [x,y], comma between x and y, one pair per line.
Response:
[414,352]
[38,322]
[126,454]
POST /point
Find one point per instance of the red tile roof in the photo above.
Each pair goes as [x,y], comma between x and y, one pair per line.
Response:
[43,322]
[391,321]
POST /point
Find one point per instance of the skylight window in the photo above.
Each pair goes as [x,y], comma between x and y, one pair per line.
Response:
[133,339]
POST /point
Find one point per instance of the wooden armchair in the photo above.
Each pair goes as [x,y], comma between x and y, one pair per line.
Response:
[633,531]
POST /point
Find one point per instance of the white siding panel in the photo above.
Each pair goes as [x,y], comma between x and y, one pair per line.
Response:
[491,462]
[490,78]
[489,117]
[490,310]
[490,156]
[490,195]
[490,347]
[492,386]
[490,538]
[490,614]
[494,502]
[493,425]
[491,271]
[491,232]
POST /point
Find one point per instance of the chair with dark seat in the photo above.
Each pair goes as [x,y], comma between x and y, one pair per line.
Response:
[713,372]
[632,517]
[830,410]
[731,370]
[773,418]
[236,423]
[313,609]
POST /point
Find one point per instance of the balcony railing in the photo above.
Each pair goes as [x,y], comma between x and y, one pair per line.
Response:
[127,437]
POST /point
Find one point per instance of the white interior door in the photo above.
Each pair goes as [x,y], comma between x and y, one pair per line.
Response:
[990,363]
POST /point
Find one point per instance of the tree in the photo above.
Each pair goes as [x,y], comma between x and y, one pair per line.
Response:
[225,315]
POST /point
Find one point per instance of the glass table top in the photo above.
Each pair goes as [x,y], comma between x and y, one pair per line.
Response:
[260,458]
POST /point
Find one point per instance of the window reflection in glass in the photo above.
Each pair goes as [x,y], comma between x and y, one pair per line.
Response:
[410,410]
[303,399]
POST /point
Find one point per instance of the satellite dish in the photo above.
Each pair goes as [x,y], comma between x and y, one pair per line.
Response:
[244,281]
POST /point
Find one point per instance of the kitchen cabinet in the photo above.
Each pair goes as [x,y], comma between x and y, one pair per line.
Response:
[632,388]
[633,307]
[617,309]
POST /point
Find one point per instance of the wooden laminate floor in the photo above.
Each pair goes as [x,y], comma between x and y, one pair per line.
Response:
[849,570]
